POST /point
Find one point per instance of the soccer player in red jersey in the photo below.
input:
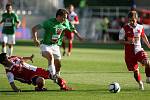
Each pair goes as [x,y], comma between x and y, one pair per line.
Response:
[131,35]
[17,69]
[73,18]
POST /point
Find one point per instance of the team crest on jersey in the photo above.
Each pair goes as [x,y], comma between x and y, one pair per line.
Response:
[59,30]
[138,31]
[8,20]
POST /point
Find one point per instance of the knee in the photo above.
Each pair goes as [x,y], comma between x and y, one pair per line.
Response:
[47,55]
[136,71]
[146,63]
[58,64]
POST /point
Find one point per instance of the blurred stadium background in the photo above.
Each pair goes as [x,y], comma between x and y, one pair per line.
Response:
[91,12]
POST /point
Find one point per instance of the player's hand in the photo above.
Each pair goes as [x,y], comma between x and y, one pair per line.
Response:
[81,39]
[31,58]
[17,26]
[17,90]
[37,42]
[148,46]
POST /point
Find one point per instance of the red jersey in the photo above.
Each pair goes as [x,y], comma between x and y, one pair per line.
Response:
[134,53]
[128,32]
[73,17]
[24,72]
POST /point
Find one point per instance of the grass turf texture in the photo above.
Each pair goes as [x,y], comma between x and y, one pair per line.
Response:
[89,70]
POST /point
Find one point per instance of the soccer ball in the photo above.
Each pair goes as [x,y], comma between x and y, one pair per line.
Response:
[114,87]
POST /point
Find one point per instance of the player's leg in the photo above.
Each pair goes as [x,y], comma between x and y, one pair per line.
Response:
[137,77]
[63,85]
[132,65]
[64,46]
[147,71]
[48,54]
[40,72]
[57,59]
[4,40]
[50,58]
[70,40]
[10,49]
[69,47]
[146,63]
[11,42]
[3,47]
[58,66]
[143,58]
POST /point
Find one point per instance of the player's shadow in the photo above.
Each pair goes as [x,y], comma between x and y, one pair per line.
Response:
[10,91]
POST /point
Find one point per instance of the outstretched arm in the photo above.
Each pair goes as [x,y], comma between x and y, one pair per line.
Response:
[14,87]
[144,37]
[35,34]
[18,24]
[78,35]
[10,77]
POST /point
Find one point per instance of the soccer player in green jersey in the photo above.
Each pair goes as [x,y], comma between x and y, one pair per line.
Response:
[52,39]
[10,21]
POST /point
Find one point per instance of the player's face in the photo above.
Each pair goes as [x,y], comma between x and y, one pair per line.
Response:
[71,8]
[133,21]
[63,18]
[9,8]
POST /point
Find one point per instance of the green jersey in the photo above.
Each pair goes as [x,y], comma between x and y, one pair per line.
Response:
[54,31]
[9,23]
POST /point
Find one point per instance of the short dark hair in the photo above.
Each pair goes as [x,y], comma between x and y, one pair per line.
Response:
[132,14]
[7,5]
[61,12]
[2,57]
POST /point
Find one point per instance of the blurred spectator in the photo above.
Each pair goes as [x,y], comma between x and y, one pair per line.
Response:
[82,6]
[122,21]
[98,28]
[105,25]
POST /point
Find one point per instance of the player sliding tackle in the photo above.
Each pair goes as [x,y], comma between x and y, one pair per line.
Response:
[131,35]
[17,69]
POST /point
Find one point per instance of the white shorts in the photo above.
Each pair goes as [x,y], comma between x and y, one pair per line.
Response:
[9,39]
[54,49]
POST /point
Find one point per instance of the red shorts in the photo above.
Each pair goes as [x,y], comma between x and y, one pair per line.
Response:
[69,35]
[132,60]
[42,73]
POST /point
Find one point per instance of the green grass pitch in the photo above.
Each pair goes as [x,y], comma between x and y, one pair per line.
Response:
[88,70]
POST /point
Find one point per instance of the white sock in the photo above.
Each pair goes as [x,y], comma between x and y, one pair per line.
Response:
[141,85]
[52,69]
[10,50]
[4,50]
[58,73]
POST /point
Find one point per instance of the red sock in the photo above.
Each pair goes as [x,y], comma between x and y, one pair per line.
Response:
[63,45]
[70,46]
[137,76]
[61,83]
